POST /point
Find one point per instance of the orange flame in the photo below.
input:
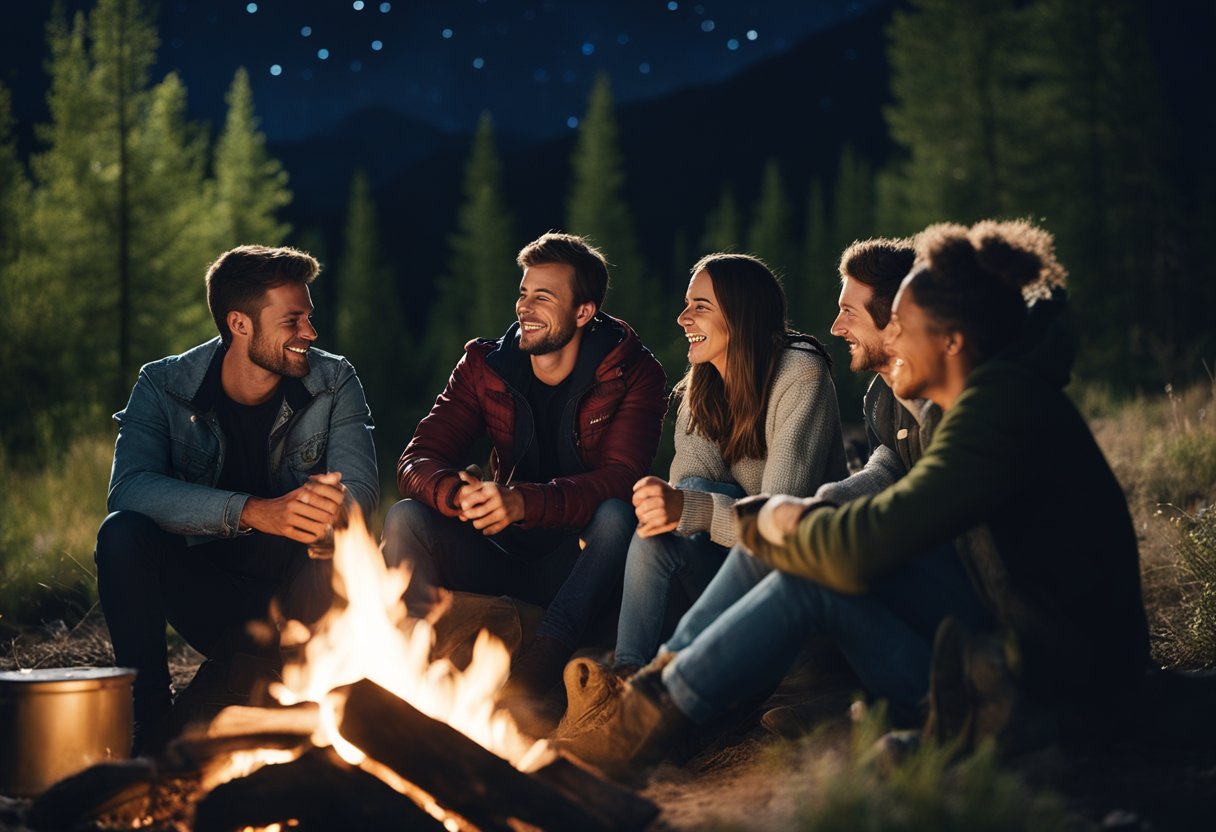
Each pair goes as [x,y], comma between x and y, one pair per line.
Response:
[373,637]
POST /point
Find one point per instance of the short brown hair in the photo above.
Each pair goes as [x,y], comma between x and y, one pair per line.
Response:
[239,278]
[882,264]
[590,267]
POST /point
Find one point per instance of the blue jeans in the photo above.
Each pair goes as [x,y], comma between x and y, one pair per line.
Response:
[652,565]
[743,634]
[575,575]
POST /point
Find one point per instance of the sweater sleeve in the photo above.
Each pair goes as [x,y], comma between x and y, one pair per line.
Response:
[804,440]
[882,469]
[977,461]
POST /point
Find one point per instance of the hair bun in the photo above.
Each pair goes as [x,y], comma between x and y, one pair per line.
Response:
[1017,253]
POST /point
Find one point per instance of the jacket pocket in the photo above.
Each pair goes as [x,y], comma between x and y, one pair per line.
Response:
[192,463]
[307,455]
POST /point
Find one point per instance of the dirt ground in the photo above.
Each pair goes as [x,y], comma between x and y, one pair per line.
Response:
[745,778]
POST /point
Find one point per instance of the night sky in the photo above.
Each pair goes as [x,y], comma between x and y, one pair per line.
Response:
[531,63]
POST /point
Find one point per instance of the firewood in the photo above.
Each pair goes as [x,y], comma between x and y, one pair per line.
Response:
[318,791]
[455,770]
[617,806]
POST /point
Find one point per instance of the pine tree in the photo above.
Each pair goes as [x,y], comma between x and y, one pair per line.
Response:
[770,236]
[597,209]
[17,296]
[476,299]
[251,185]
[852,200]
[723,225]
[813,298]
[962,115]
[370,330]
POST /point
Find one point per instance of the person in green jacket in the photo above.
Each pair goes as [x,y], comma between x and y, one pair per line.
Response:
[1012,467]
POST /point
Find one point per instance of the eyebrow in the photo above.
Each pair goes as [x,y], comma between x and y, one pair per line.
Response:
[705,300]
[539,290]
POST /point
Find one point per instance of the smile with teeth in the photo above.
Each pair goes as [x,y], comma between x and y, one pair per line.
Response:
[694,339]
[298,350]
[530,327]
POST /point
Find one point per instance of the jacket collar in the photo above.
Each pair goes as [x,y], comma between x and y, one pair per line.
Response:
[199,379]
[602,335]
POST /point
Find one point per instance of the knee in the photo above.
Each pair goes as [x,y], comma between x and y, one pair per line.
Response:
[123,537]
[613,517]
[404,526]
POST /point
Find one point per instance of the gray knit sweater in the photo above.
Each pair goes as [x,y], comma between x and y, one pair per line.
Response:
[805,448]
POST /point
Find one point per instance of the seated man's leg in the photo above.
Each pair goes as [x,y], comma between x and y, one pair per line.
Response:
[132,553]
[650,567]
[587,570]
[749,649]
[929,588]
[442,552]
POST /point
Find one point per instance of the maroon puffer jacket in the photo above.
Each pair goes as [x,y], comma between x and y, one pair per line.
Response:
[617,431]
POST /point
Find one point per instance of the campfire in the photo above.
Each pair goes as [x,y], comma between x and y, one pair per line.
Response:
[369,733]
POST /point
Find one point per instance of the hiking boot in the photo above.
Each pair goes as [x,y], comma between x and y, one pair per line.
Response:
[634,734]
[593,694]
[537,668]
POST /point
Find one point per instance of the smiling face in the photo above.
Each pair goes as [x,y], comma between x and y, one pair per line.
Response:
[856,326]
[548,316]
[918,348]
[283,332]
[704,324]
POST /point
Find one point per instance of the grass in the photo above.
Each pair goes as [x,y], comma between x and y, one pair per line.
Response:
[1163,451]
[49,516]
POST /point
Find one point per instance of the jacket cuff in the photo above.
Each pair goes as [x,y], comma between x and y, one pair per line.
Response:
[233,508]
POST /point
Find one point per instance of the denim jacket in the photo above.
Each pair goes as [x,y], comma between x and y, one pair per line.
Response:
[170,448]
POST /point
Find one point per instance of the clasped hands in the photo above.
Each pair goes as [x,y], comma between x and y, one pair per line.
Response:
[489,506]
[306,514]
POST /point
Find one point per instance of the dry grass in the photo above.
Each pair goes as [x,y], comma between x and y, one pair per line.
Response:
[1163,450]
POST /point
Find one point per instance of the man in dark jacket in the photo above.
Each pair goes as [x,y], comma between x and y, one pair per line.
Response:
[573,405]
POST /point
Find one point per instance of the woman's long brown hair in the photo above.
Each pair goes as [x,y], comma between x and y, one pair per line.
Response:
[731,411]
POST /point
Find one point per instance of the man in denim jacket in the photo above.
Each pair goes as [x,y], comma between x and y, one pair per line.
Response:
[232,459]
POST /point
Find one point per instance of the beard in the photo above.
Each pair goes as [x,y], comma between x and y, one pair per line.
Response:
[868,358]
[276,359]
[554,341]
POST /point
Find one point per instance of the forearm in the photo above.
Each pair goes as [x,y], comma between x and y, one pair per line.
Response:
[882,469]
[179,507]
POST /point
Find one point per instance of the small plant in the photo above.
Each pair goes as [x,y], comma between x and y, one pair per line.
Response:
[1196,551]
[929,787]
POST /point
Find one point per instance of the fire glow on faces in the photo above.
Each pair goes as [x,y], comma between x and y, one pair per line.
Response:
[546,309]
[704,324]
[283,331]
[917,347]
[856,326]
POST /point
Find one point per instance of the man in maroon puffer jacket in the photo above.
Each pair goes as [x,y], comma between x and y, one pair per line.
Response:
[573,405]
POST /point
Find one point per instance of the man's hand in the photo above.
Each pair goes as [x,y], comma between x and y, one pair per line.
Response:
[657,505]
[304,514]
[779,517]
[489,506]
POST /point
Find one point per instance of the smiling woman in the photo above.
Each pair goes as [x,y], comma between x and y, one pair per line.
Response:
[757,413]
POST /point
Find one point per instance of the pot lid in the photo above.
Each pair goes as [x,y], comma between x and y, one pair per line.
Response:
[65,679]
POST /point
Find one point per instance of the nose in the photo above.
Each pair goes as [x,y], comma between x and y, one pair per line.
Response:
[308,332]
[684,319]
[837,329]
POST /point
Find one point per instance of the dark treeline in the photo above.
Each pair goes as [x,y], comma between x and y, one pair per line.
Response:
[1053,109]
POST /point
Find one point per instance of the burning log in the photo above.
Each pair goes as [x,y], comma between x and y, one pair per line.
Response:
[471,781]
[317,791]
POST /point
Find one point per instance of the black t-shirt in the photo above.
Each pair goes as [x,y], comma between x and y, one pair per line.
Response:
[247,429]
[547,403]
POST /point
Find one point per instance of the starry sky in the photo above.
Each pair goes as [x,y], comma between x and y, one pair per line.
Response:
[530,62]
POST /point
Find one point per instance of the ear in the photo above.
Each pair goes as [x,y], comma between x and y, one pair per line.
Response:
[583,313]
[240,324]
[955,343]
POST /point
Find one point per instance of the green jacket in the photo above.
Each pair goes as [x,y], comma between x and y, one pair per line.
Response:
[1051,545]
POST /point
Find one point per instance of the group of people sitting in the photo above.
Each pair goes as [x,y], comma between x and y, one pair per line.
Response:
[979,573]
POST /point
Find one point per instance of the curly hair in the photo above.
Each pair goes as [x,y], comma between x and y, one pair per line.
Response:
[978,280]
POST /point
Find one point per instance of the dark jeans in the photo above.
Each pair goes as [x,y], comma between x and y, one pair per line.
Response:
[209,593]
[743,634]
[575,575]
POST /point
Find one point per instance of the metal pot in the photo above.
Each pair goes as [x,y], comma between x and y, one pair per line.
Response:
[57,721]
